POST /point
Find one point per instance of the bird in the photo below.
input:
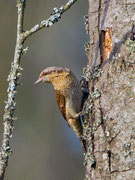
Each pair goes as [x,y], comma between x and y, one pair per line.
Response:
[68,96]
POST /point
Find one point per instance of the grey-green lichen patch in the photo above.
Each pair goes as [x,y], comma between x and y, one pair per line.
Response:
[89,160]
[90,103]
[89,129]
[97,72]
[86,24]
[91,73]
[55,16]
[126,54]
[87,71]
[35,27]
[104,117]
[124,62]
[10,106]
[95,94]
[87,47]
[115,57]
[127,148]
[130,45]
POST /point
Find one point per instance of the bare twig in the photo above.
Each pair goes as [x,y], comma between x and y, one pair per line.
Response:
[15,73]
[55,16]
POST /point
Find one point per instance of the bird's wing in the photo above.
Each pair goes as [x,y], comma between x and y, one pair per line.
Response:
[61,103]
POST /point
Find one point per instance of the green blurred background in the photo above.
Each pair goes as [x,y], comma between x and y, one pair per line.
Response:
[44,148]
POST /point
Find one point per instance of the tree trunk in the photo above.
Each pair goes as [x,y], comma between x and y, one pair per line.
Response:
[109,112]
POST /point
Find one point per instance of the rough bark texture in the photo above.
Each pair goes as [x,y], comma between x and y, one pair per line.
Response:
[110,109]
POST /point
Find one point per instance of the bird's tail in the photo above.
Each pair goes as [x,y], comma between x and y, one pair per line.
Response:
[76,125]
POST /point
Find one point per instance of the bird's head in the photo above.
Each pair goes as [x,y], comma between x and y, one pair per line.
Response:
[58,76]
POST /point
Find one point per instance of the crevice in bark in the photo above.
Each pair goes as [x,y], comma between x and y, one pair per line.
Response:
[112,138]
[109,160]
[125,170]
[132,34]
[99,9]
[107,3]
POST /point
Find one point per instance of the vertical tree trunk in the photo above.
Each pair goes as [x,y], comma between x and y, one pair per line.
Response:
[109,120]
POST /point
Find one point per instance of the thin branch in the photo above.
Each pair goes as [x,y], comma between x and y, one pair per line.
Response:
[13,82]
[55,16]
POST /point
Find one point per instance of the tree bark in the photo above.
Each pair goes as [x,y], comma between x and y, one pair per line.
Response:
[109,112]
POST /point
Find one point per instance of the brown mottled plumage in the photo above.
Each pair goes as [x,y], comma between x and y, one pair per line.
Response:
[61,103]
[68,95]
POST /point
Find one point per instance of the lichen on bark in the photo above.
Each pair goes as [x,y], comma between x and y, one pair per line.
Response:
[110,119]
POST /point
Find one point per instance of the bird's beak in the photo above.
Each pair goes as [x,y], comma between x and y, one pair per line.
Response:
[38,81]
[42,79]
